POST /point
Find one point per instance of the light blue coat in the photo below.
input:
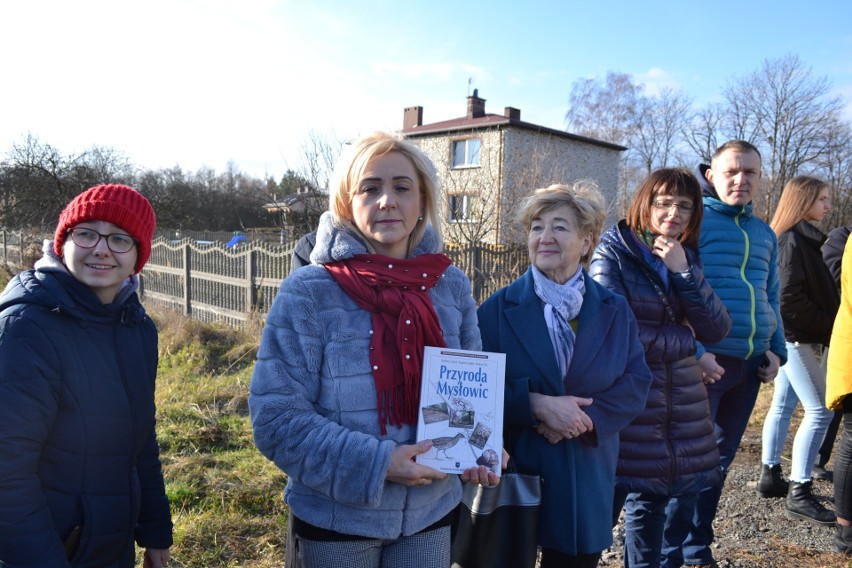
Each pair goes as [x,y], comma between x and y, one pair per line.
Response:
[313,399]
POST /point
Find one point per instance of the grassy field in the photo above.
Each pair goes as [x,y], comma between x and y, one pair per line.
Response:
[226,497]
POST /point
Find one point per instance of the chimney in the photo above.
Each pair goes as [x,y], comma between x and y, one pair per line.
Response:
[412,117]
[475,105]
[512,113]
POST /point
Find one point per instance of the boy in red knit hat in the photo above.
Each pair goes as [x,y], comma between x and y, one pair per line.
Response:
[80,476]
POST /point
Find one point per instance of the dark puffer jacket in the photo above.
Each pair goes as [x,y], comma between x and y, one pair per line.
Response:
[77,441]
[809,297]
[832,251]
[670,448]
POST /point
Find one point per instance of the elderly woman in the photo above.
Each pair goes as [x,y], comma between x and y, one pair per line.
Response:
[575,373]
[335,389]
[669,451]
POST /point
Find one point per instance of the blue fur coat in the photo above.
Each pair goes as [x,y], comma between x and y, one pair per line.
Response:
[313,399]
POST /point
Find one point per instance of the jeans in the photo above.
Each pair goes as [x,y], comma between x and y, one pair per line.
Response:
[831,434]
[652,538]
[843,465]
[827,446]
[731,399]
[800,379]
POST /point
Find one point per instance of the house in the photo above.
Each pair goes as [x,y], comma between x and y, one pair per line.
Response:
[304,201]
[488,163]
[298,212]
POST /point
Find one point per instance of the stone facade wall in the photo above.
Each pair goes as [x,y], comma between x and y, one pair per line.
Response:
[513,162]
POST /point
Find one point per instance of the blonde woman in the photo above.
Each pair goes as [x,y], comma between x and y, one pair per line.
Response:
[334,393]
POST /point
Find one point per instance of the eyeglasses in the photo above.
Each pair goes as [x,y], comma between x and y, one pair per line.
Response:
[668,204]
[87,238]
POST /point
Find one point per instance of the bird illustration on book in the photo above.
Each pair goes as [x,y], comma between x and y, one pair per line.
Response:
[444,443]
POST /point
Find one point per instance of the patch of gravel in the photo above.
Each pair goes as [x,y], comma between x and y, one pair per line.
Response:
[753,532]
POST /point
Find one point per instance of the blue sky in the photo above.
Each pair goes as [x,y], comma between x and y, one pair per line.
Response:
[204,82]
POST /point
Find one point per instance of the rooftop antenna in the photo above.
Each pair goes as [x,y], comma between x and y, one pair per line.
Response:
[469,81]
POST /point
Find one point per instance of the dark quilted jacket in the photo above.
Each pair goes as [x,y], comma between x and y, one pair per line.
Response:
[809,297]
[77,441]
[670,448]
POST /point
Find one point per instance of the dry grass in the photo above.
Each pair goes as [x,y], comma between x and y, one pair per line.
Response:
[226,498]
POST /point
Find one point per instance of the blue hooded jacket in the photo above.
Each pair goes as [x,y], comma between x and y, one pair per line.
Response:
[740,254]
[77,440]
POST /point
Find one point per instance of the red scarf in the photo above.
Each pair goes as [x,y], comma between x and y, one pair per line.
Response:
[396,293]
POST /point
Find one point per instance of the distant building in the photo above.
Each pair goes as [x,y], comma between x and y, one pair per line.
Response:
[304,201]
[487,163]
[298,212]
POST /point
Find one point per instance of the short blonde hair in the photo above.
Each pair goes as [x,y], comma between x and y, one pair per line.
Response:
[351,166]
[583,198]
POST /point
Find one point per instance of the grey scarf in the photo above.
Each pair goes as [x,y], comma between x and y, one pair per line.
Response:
[566,301]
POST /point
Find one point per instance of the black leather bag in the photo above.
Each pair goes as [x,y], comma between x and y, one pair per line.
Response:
[496,527]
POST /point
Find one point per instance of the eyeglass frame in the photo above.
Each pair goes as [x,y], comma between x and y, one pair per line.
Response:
[133,242]
[686,208]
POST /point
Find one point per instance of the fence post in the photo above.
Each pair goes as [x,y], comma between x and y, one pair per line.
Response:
[5,250]
[21,249]
[251,295]
[187,281]
[475,268]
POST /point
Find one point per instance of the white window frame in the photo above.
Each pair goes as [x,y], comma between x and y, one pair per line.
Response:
[466,153]
[468,207]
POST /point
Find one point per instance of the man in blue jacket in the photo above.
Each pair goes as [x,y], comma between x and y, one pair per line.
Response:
[740,261]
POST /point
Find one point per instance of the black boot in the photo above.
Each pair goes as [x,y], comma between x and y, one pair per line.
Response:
[801,504]
[819,473]
[843,539]
[771,483]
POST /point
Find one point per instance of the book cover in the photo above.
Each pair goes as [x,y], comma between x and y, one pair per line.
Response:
[461,409]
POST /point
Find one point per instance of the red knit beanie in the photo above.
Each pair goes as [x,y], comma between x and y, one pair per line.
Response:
[117,204]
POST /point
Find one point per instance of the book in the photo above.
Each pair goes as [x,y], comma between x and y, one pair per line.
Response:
[461,409]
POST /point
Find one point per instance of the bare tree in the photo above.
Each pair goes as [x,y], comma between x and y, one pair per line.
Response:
[702,132]
[319,155]
[660,128]
[607,109]
[785,110]
[38,184]
[835,167]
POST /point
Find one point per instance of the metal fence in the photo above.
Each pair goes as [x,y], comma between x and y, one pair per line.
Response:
[212,282]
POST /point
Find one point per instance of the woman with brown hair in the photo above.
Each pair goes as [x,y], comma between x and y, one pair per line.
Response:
[669,451]
[809,302]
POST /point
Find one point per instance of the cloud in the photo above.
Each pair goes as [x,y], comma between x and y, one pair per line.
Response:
[655,80]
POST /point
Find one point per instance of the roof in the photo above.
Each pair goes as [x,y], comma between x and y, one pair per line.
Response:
[295,201]
[497,120]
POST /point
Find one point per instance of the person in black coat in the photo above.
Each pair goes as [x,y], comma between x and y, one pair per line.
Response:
[809,302]
[80,476]
[302,251]
[669,451]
